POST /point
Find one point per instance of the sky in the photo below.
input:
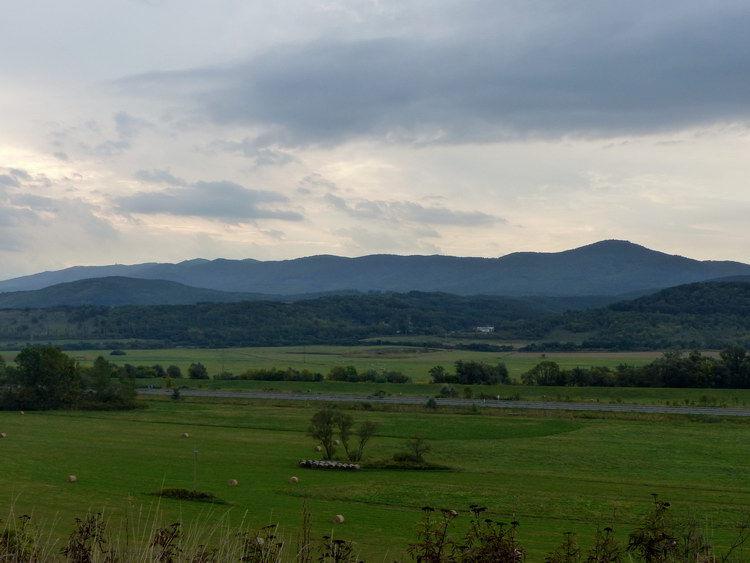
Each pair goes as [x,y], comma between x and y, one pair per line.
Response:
[165,130]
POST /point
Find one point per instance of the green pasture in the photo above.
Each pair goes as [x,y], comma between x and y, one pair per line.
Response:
[412,361]
[552,473]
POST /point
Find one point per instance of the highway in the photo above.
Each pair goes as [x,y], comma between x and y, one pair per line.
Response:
[501,404]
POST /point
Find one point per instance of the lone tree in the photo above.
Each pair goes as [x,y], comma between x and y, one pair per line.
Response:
[417,446]
[365,431]
[197,371]
[329,422]
[323,426]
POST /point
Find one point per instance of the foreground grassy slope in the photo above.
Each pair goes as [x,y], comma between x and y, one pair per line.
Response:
[554,474]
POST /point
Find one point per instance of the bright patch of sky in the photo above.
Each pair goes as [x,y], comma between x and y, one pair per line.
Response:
[166,130]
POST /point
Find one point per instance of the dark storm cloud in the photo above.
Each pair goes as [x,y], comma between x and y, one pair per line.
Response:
[413,212]
[213,200]
[590,69]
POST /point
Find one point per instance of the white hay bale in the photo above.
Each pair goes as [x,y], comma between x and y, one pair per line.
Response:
[23,412]
[294,480]
[318,448]
[72,478]
[184,435]
[232,482]
[2,434]
[336,443]
[338,519]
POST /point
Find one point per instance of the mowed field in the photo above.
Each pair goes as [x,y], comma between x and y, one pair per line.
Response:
[552,473]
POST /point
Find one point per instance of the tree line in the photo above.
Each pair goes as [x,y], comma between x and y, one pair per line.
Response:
[731,370]
[45,378]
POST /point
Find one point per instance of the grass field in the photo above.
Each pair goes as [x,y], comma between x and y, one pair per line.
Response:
[553,473]
[412,361]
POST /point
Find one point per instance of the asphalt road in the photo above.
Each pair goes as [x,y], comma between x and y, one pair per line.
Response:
[411,400]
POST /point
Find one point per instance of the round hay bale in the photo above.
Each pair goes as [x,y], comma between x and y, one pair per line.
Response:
[184,435]
[338,519]
[318,448]
[23,412]
[336,443]
[2,434]
[72,478]
[232,482]
[294,480]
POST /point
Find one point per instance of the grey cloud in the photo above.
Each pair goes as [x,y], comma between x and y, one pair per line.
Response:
[260,150]
[591,70]
[111,148]
[159,177]
[61,155]
[24,216]
[128,126]
[35,202]
[7,180]
[18,173]
[412,212]
[215,200]
[316,183]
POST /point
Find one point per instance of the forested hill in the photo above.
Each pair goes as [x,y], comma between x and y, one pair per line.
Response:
[708,298]
[326,320]
[700,315]
[117,290]
[703,315]
[605,268]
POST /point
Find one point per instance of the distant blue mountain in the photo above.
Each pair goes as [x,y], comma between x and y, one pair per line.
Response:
[610,267]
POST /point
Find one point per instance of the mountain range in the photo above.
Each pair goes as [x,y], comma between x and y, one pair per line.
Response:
[611,268]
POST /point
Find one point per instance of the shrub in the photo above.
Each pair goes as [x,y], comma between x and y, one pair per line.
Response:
[188,494]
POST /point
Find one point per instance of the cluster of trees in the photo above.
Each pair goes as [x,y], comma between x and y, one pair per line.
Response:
[471,373]
[330,422]
[674,369]
[273,374]
[350,374]
[44,378]
[196,370]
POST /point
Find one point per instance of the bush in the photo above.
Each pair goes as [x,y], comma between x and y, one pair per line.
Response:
[188,494]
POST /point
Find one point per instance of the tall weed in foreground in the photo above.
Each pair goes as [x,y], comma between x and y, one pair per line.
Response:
[660,537]
[17,541]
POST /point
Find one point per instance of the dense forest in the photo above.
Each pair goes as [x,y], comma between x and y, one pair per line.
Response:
[332,319]
[694,316]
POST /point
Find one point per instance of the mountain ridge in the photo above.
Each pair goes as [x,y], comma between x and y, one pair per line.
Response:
[608,267]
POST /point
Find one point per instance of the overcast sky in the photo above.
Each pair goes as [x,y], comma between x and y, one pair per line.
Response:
[165,130]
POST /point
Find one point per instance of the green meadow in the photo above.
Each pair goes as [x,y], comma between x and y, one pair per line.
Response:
[553,473]
[414,362]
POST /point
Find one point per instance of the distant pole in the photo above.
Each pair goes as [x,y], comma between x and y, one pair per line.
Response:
[195,469]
